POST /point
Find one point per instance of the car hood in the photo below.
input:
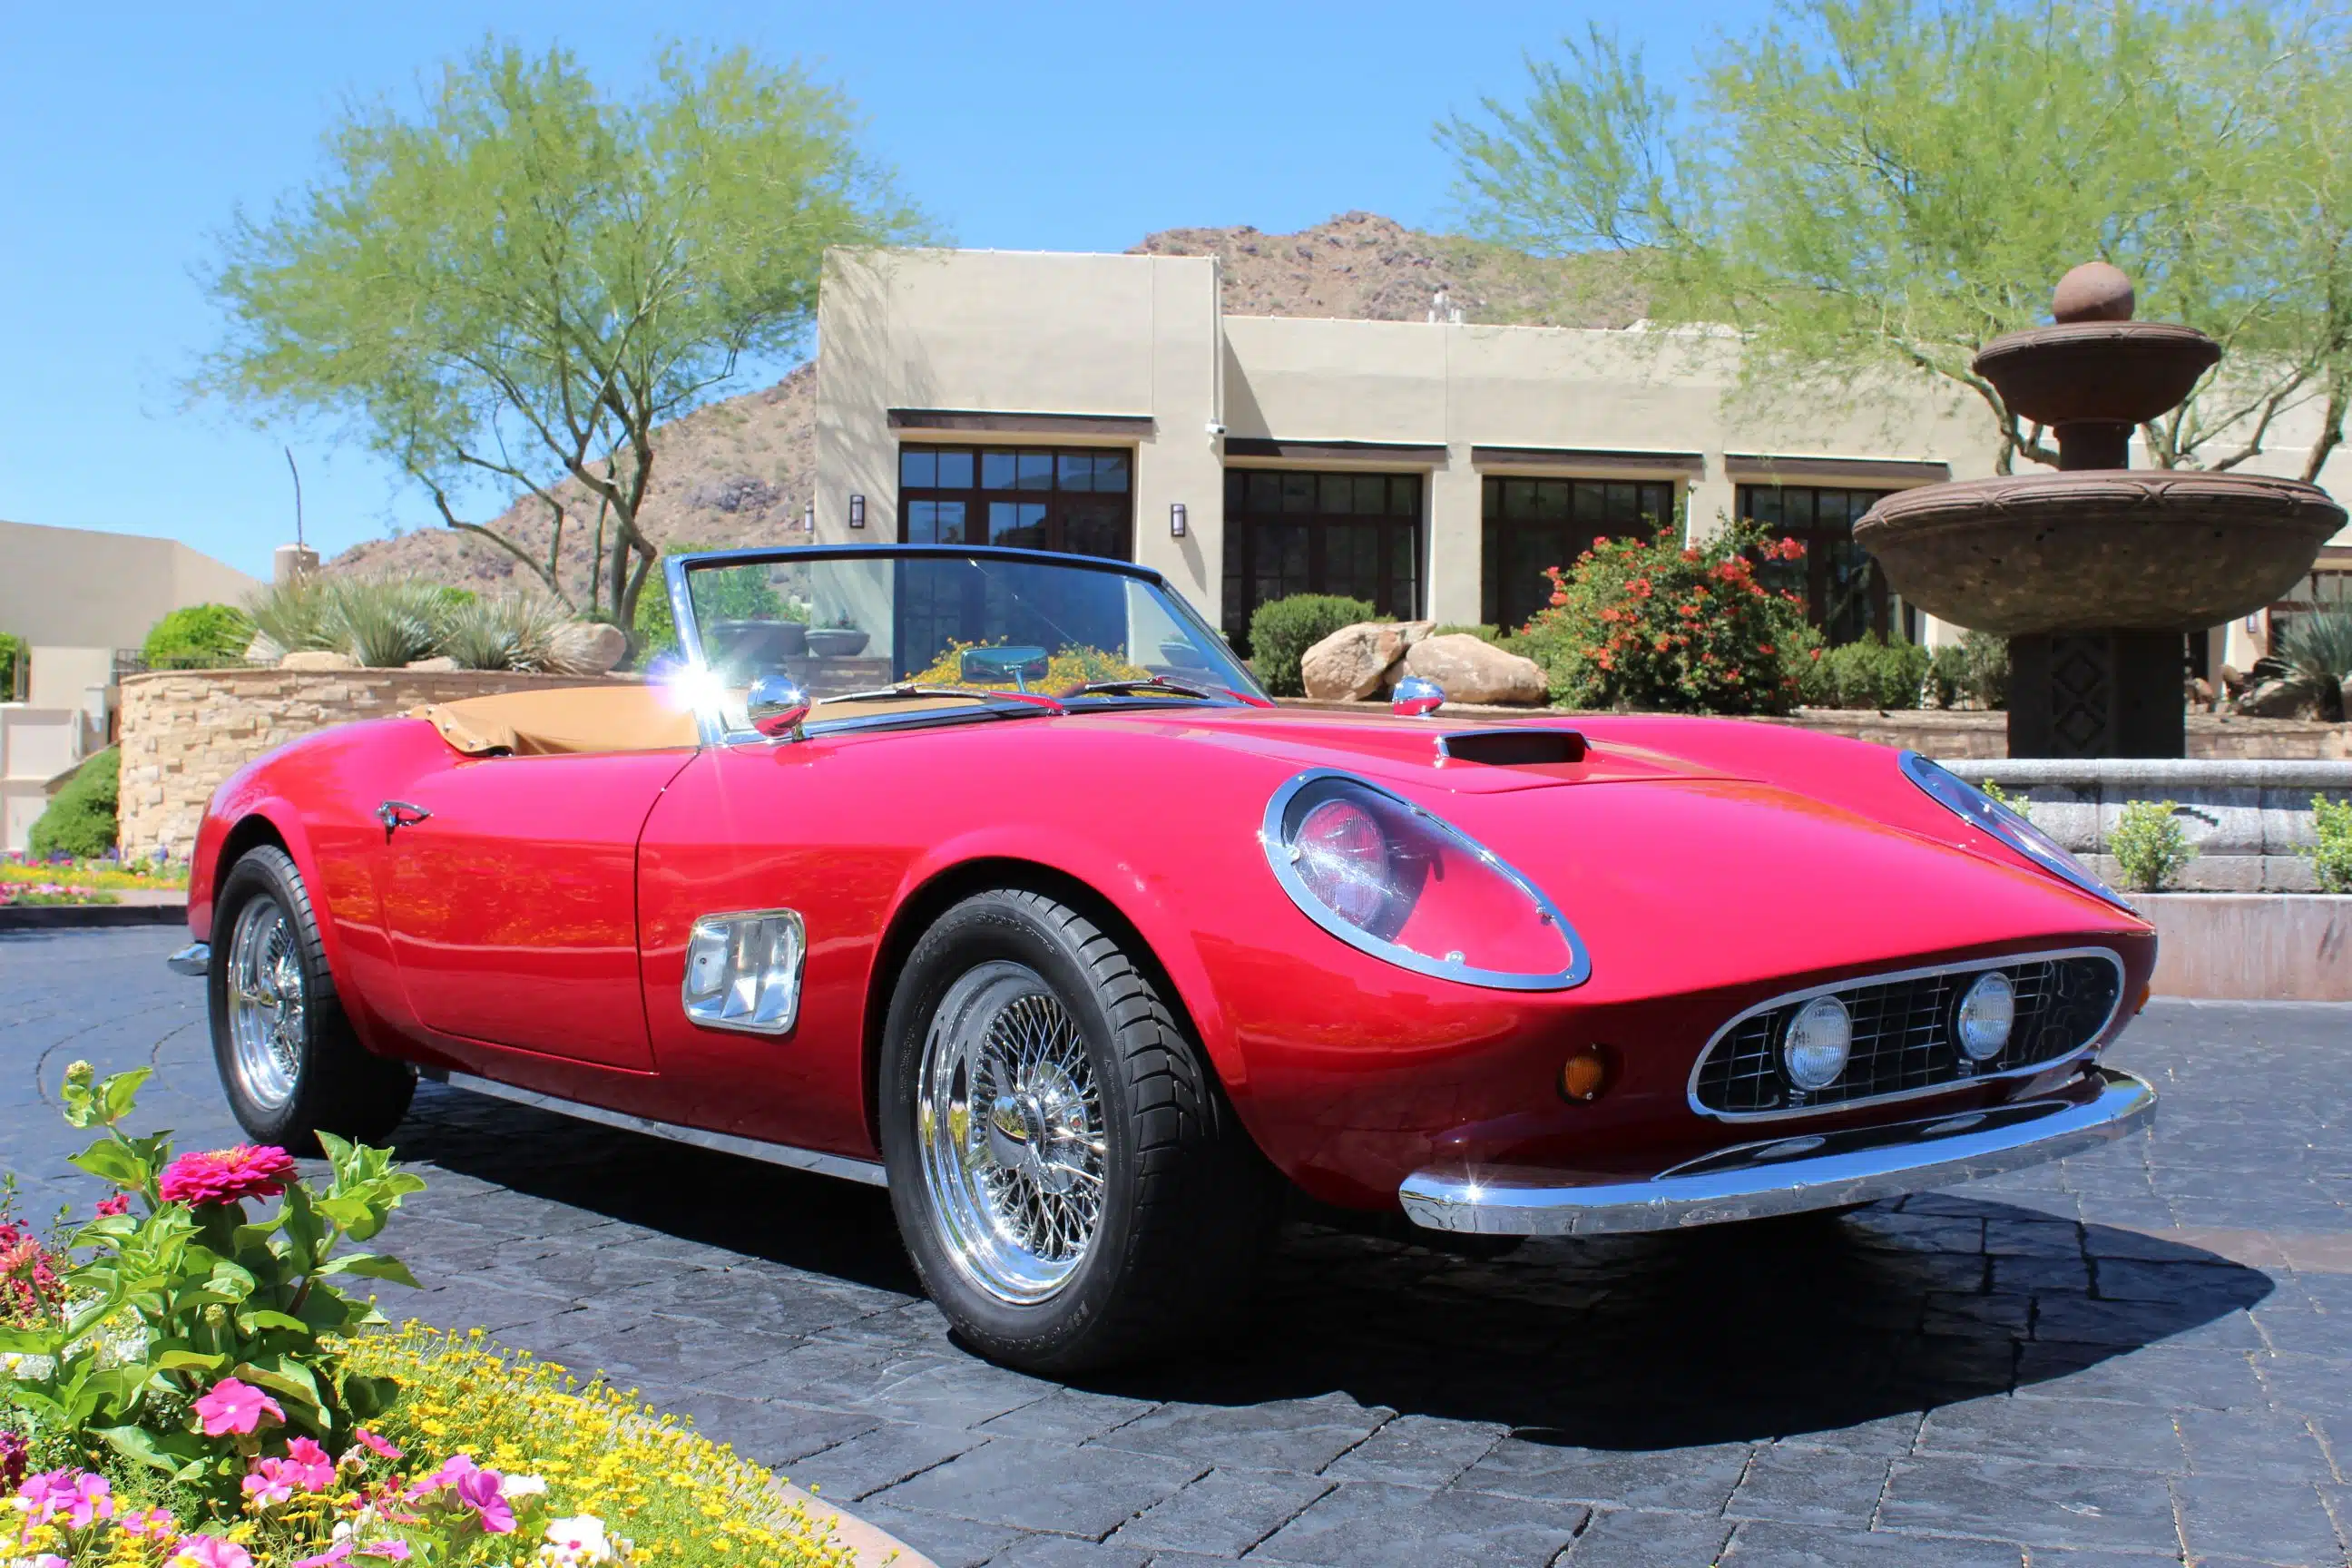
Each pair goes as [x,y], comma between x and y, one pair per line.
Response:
[1404,750]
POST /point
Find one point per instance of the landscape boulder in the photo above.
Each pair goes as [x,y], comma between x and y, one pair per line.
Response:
[439,664]
[317,658]
[1472,670]
[2275,699]
[589,648]
[1354,662]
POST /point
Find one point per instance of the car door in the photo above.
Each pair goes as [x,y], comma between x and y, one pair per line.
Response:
[508,892]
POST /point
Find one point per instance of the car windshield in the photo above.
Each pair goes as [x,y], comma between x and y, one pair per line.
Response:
[861,621]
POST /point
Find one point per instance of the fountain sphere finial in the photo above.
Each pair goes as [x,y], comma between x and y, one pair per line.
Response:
[2095,291]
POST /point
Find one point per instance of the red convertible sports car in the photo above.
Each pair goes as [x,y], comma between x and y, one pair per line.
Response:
[991,877]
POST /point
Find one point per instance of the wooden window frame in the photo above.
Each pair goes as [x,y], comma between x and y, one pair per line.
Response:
[1061,504]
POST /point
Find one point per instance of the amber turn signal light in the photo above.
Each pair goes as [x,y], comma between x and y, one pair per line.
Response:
[2146,992]
[1585,1074]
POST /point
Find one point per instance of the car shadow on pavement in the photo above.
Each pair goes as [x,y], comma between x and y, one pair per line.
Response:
[1721,1334]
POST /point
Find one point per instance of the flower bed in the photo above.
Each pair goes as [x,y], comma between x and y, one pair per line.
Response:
[31,894]
[104,873]
[189,1386]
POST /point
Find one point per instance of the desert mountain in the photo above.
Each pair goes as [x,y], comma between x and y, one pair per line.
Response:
[738,470]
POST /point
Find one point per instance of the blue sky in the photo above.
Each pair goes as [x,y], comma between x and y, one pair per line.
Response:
[128,136]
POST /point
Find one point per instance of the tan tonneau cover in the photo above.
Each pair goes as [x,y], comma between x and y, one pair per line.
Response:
[577,719]
[563,719]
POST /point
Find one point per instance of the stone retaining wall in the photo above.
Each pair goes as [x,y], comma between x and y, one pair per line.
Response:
[2247,819]
[2252,948]
[185,731]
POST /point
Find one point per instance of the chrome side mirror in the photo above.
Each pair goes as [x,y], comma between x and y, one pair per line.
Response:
[776,706]
[1416,696]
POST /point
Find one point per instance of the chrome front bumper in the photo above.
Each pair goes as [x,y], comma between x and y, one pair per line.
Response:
[193,959]
[1791,1174]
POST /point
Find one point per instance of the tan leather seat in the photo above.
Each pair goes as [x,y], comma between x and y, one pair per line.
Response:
[564,720]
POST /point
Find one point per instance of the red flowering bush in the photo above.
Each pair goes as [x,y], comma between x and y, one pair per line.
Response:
[1676,629]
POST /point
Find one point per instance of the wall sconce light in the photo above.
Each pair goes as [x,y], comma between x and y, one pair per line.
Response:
[857,511]
[1176,520]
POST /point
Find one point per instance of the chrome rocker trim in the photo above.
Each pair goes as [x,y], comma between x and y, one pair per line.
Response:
[1790,1174]
[1892,976]
[815,1161]
[195,959]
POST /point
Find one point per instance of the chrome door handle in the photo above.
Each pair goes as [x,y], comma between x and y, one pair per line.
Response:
[399,814]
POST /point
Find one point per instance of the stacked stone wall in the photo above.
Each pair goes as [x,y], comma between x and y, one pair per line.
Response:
[185,731]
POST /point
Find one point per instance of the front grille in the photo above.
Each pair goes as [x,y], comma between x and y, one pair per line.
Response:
[1903,1036]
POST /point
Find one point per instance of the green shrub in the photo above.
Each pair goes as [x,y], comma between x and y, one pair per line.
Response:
[1970,673]
[80,819]
[198,636]
[1284,629]
[385,622]
[1658,624]
[732,594]
[2150,845]
[1866,674]
[2331,858]
[12,658]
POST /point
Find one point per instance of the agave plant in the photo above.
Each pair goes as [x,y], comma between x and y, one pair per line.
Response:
[293,616]
[2312,653]
[385,622]
[505,631]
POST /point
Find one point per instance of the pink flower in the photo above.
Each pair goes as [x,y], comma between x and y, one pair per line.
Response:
[479,1489]
[394,1551]
[376,1444]
[118,1204]
[47,1560]
[227,1176]
[209,1551]
[150,1521]
[317,1472]
[233,1406]
[329,1558]
[273,1481]
[93,1499]
[53,1492]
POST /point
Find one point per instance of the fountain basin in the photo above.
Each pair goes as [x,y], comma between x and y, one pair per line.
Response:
[2123,373]
[2134,549]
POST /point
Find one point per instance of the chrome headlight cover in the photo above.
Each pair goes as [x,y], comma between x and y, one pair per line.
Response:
[1980,810]
[1276,839]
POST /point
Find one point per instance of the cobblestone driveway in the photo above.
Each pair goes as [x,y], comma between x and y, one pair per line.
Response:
[2143,1356]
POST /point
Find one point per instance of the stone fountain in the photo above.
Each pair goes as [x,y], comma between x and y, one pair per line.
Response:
[2095,572]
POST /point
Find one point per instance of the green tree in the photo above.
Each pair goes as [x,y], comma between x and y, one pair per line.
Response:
[517,284]
[1889,183]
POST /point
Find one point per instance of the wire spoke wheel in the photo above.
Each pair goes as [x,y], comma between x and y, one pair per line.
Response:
[1010,1123]
[267,1002]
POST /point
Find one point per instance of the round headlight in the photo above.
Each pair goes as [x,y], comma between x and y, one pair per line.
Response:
[1344,860]
[1986,1016]
[1819,1038]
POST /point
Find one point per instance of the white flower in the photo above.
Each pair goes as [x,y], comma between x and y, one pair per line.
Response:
[577,1541]
[523,1486]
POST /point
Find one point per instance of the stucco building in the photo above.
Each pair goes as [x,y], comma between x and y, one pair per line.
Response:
[1107,404]
[77,596]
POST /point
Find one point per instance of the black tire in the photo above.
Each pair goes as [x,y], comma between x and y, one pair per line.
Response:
[323,1080]
[1188,1205]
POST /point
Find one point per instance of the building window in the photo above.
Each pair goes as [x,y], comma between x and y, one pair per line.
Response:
[1080,501]
[1529,525]
[1843,590]
[1354,534]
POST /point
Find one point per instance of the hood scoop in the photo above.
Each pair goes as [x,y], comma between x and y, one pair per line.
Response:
[1516,746]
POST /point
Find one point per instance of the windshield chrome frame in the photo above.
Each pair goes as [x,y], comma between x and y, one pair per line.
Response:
[711,725]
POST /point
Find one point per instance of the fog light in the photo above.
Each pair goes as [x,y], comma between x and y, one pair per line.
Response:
[1819,1038]
[1584,1074]
[1987,1015]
